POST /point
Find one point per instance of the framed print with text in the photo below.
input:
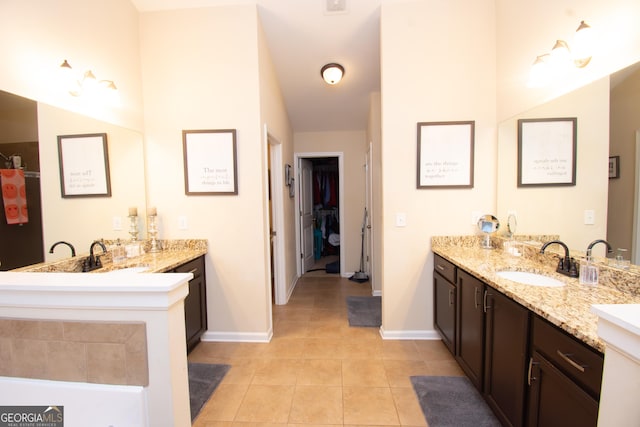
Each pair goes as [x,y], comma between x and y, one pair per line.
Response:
[210,165]
[84,165]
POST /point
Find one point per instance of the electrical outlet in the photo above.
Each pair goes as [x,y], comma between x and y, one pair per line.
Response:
[475,216]
[589,217]
[401,220]
[182,222]
[117,223]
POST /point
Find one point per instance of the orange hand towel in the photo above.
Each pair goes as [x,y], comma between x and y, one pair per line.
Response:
[14,196]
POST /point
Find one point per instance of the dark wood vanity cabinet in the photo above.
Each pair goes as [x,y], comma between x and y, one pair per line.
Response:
[565,378]
[470,327]
[444,292]
[506,361]
[195,304]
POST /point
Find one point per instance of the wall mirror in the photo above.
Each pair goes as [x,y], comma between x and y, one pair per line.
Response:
[80,220]
[607,112]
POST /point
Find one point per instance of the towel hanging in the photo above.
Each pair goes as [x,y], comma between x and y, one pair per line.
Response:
[14,196]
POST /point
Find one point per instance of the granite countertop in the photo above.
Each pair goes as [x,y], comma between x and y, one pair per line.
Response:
[568,307]
[174,254]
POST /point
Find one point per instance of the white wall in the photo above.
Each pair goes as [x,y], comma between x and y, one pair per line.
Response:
[438,64]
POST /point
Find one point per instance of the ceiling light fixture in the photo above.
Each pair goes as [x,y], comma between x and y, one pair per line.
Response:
[332,73]
[85,84]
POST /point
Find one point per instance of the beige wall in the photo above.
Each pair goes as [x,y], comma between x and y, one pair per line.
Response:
[374,131]
[625,122]
[201,71]
[526,29]
[560,210]
[353,145]
[103,36]
[425,79]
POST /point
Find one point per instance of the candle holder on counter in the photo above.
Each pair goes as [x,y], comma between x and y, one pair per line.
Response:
[133,224]
[153,230]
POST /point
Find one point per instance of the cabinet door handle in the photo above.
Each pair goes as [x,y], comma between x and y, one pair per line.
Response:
[531,378]
[567,358]
[484,302]
[475,297]
[439,267]
[451,297]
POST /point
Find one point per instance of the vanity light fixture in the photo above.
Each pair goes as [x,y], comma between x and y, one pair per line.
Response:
[559,61]
[332,73]
[87,84]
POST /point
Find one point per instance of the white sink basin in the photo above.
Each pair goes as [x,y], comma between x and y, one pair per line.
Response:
[533,279]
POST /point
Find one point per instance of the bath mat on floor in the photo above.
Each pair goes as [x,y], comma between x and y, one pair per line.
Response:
[203,380]
[452,402]
[364,311]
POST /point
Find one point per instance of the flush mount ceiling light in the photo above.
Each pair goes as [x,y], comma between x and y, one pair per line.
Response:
[332,73]
[86,83]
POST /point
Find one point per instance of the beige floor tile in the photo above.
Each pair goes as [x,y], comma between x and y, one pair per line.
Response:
[408,407]
[288,329]
[320,372]
[323,348]
[266,403]
[224,403]
[242,370]
[367,405]
[277,372]
[400,350]
[364,373]
[445,368]
[433,350]
[283,348]
[317,404]
[399,371]
[362,346]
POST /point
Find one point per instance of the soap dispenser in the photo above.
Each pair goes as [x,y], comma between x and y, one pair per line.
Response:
[588,271]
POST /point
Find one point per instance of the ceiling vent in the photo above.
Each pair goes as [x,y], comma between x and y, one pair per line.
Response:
[336,6]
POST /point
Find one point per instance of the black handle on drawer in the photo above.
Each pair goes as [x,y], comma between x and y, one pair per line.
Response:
[567,358]
[486,307]
[451,297]
[530,377]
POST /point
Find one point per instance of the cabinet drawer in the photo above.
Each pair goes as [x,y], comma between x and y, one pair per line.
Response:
[195,266]
[573,358]
[445,268]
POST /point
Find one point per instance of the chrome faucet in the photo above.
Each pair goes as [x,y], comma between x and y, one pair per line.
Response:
[62,242]
[595,242]
[566,265]
[93,261]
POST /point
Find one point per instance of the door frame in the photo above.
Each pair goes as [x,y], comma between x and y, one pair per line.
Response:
[277,217]
[296,165]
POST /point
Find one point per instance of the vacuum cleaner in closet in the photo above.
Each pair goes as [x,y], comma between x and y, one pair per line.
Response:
[360,276]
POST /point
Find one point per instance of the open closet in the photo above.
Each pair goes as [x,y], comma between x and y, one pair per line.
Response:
[326,214]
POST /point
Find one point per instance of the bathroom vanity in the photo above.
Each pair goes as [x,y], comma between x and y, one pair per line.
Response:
[532,351]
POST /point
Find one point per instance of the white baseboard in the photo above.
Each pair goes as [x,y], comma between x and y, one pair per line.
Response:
[410,335]
[377,293]
[210,336]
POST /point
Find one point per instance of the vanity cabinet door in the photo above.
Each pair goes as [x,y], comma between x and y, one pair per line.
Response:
[470,332]
[445,310]
[195,304]
[506,339]
[555,400]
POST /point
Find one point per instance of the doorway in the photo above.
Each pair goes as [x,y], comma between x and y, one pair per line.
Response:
[320,202]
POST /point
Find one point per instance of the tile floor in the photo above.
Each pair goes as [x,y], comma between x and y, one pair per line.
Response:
[319,371]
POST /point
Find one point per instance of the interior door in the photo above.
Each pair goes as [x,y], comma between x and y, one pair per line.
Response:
[306,213]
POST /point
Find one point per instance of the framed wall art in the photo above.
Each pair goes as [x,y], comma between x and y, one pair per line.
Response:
[614,167]
[210,165]
[84,165]
[547,152]
[445,154]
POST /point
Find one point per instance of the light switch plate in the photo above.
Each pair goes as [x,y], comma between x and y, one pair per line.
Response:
[182,222]
[589,217]
[401,220]
[117,223]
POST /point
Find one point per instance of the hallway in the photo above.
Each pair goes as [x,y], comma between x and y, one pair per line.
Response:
[319,371]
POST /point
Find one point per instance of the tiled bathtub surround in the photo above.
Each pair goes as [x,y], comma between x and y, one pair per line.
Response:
[568,307]
[92,352]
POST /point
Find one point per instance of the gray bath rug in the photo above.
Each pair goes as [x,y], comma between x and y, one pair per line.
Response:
[452,402]
[203,380]
[364,311]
